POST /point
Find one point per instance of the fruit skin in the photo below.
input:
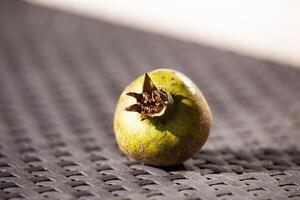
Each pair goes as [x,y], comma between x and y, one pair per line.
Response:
[169,139]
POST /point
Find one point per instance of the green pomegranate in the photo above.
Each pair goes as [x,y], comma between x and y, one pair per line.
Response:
[162,118]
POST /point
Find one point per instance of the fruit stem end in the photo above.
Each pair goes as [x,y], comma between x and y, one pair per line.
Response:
[152,102]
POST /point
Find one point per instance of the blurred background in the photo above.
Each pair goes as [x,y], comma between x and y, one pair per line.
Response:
[266,29]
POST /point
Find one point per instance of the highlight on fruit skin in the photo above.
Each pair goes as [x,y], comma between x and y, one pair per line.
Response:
[162,118]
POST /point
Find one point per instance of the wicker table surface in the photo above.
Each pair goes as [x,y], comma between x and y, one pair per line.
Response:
[60,77]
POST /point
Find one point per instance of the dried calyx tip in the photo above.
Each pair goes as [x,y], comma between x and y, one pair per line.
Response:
[151,102]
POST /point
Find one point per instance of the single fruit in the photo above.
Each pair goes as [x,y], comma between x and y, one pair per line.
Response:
[162,118]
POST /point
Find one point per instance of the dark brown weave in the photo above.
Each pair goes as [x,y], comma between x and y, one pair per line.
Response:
[60,77]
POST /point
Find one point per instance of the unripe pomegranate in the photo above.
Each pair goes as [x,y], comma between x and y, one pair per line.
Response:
[162,118]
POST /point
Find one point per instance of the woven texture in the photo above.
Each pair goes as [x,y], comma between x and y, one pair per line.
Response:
[60,77]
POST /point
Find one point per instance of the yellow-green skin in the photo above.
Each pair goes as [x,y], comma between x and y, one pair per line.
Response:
[172,138]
